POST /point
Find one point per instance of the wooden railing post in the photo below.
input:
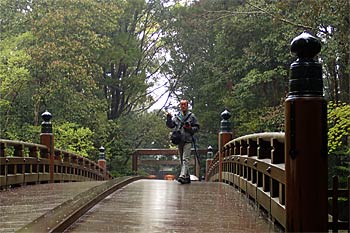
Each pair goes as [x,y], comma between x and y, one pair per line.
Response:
[102,161]
[134,162]
[47,139]
[306,141]
[208,161]
[225,135]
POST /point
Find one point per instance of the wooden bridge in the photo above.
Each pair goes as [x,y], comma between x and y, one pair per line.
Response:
[263,182]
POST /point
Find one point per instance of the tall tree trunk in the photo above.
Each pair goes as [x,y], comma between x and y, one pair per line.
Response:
[344,78]
[36,113]
[333,81]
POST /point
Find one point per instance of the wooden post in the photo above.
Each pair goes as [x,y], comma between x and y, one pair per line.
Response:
[102,161]
[306,141]
[134,162]
[47,139]
[209,161]
[225,135]
[197,167]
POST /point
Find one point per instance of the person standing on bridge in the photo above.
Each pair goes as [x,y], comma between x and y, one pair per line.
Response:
[186,123]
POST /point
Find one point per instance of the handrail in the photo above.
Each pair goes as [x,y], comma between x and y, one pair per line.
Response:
[29,163]
[15,142]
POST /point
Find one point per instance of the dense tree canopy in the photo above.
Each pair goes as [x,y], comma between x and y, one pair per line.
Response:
[94,66]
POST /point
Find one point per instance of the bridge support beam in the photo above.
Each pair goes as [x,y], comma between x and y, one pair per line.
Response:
[306,141]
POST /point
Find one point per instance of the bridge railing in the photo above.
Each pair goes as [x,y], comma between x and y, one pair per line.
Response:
[255,165]
[29,163]
[22,163]
[287,173]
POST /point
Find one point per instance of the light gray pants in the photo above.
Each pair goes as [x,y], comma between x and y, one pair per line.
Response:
[185,158]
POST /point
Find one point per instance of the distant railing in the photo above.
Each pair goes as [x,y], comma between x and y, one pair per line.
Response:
[28,163]
[139,153]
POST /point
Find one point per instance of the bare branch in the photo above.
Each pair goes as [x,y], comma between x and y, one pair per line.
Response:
[281,18]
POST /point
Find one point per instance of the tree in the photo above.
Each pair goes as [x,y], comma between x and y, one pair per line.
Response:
[133,59]
[73,138]
[66,41]
[236,55]
[339,140]
[14,78]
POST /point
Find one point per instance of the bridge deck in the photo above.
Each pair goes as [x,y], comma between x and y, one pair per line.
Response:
[142,206]
[166,206]
[23,205]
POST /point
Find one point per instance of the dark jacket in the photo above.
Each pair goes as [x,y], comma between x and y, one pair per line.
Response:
[178,121]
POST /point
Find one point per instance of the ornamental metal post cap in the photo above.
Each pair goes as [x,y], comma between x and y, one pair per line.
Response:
[305,46]
[101,149]
[46,116]
[225,124]
[46,126]
[305,78]
[102,154]
[210,148]
[225,115]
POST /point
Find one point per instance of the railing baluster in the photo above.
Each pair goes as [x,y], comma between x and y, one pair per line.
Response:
[335,203]
[252,147]
[277,151]
[264,149]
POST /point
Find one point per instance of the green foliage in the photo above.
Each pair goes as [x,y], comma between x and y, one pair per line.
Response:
[74,138]
[25,133]
[89,62]
[14,77]
[55,55]
[144,130]
[339,127]
[118,151]
[339,142]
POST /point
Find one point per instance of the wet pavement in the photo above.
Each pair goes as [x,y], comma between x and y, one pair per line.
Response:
[20,206]
[167,206]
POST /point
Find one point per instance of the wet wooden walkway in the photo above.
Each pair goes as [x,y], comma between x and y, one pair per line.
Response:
[20,206]
[146,206]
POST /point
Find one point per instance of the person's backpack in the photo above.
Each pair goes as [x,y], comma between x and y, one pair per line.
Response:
[175,136]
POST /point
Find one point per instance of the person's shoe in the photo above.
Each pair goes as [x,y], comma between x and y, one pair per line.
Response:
[187,180]
[184,180]
[181,180]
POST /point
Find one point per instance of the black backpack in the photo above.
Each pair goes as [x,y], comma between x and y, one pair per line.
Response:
[175,136]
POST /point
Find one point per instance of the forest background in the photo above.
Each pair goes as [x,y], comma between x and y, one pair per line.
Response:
[95,65]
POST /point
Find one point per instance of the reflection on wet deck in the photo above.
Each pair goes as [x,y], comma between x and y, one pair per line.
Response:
[166,206]
[23,205]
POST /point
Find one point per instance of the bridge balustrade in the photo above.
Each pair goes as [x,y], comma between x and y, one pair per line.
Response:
[29,163]
[22,162]
[254,164]
[286,173]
